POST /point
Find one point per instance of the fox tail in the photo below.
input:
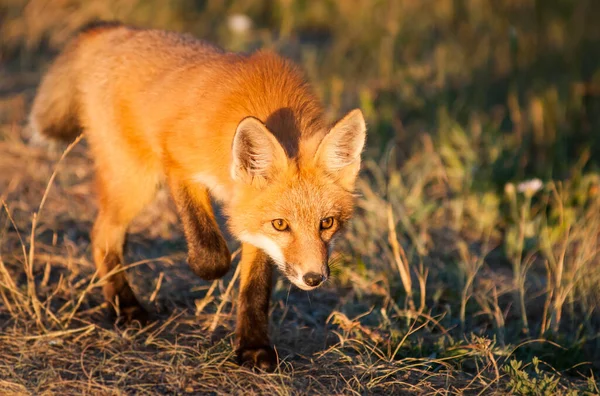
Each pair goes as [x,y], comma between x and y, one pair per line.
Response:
[55,112]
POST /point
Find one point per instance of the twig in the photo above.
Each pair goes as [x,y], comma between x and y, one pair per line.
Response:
[225,296]
[157,288]
[402,265]
[31,289]
[200,304]
[13,289]
[53,334]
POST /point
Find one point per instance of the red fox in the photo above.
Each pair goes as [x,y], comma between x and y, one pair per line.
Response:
[247,130]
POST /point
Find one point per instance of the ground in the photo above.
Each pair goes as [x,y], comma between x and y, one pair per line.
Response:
[61,341]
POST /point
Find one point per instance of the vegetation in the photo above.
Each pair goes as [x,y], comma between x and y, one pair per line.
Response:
[472,263]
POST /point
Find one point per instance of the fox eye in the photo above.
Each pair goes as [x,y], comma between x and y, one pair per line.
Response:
[327,223]
[280,225]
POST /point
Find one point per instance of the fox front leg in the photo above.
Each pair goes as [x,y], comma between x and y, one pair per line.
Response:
[252,330]
[208,255]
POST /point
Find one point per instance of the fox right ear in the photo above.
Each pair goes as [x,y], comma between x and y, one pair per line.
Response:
[340,150]
[256,152]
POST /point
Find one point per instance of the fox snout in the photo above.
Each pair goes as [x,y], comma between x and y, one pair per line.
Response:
[315,279]
[305,264]
[311,279]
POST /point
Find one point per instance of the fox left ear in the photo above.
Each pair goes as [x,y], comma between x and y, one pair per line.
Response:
[339,151]
[257,154]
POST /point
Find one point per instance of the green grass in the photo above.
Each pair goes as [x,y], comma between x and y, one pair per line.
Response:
[454,276]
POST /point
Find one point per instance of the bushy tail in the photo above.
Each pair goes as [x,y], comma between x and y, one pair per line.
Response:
[55,113]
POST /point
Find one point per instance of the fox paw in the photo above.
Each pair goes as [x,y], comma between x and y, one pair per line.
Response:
[210,265]
[263,358]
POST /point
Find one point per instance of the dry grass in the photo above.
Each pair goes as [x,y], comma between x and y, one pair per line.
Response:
[453,277]
[55,338]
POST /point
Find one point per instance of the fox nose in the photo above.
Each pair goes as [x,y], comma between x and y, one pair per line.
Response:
[313,279]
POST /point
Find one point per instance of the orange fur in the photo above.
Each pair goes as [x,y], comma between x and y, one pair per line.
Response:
[159,106]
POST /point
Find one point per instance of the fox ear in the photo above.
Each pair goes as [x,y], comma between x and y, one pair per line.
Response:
[339,151]
[256,152]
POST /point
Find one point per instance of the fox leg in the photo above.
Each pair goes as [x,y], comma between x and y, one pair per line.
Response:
[252,330]
[208,255]
[123,192]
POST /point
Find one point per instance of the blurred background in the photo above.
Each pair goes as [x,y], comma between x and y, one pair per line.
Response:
[519,77]
[479,201]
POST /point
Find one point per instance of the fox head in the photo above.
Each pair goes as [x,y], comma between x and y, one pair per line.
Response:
[293,208]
